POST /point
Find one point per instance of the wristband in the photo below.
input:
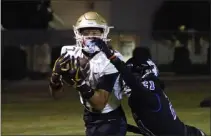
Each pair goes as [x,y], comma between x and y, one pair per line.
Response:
[85,91]
[114,60]
[55,86]
[55,78]
[112,57]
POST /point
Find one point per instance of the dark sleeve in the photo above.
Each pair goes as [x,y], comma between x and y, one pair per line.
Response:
[132,81]
[107,82]
[135,83]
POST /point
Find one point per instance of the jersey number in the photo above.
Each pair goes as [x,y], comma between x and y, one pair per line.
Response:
[149,85]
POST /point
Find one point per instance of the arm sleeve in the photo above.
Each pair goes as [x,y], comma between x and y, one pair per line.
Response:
[132,81]
[135,83]
[107,82]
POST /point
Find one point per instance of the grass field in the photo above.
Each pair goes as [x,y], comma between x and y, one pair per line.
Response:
[30,110]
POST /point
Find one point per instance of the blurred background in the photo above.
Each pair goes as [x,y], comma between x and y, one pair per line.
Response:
[175,32]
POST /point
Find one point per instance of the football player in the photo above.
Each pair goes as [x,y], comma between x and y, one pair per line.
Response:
[103,114]
[151,108]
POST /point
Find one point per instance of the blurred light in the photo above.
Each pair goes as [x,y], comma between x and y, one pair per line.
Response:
[182,27]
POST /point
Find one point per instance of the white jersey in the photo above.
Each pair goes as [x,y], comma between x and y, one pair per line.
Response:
[99,66]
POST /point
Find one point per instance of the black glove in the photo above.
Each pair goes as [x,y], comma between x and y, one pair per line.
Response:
[78,78]
[75,74]
[61,65]
[103,47]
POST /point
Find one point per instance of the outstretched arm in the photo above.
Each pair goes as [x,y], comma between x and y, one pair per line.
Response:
[135,82]
[132,81]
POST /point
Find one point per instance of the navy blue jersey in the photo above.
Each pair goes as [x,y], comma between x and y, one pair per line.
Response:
[152,111]
[151,108]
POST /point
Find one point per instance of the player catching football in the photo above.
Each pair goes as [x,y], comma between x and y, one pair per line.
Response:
[97,80]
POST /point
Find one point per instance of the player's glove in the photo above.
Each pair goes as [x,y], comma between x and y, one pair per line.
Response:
[61,66]
[104,47]
[77,73]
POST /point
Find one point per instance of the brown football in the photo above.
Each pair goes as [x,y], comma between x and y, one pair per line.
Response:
[84,63]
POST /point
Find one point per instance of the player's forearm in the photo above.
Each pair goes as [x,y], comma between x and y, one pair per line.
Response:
[126,74]
[135,83]
[97,98]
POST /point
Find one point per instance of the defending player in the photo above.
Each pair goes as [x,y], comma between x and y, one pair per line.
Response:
[103,114]
[151,108]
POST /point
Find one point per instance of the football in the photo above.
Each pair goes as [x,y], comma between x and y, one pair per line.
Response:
[85,65]
[84,62]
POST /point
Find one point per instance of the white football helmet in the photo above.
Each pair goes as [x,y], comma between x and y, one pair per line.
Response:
[90,20]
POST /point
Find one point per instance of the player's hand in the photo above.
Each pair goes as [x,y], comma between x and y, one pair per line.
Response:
[61,65]
[76,72]
[103,47]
